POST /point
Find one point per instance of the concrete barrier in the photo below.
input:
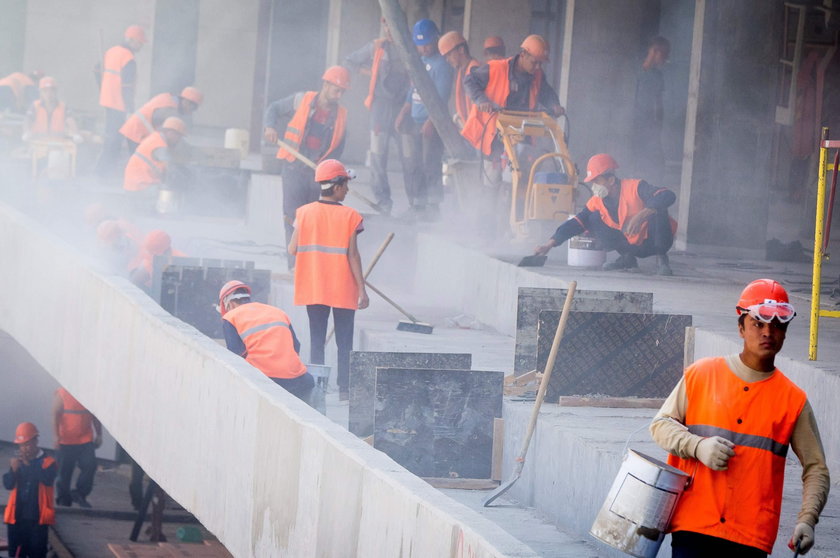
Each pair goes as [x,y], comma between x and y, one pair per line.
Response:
[265,473]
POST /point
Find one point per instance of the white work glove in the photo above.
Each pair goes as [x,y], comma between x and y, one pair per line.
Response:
[804,535]
[714,452]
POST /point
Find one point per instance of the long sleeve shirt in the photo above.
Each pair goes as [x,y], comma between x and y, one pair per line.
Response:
[26,480]
[392,81]
[475,82]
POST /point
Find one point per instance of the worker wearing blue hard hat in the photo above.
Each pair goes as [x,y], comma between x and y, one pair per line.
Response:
[425,32]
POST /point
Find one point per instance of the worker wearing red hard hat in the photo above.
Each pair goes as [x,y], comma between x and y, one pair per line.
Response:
[494,48]
[314,124]
[118,76]
[729,424]
[148,118]
[388,85]
[629,216]
[263,335]
[146,170]
[30,509]
[157,243]
[48,117]
[453,46]
[329,271]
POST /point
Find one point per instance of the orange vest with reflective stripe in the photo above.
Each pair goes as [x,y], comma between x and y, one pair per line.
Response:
[48,123]
[378,53]
[480,127]
[142,170]
[463,103]
[45,500]
[629,204]
[76,424]
[296,130]
[322,273]
[110,91]
[139,125]
[17,82]
[266,332]
[743,503]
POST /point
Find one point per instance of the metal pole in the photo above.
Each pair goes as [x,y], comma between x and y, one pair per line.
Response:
[818,251]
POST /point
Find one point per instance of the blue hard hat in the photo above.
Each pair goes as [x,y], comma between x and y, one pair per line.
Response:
[425,31]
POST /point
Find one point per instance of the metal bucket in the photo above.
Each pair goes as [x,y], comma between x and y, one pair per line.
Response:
[236,138]
[167,201]
[585,251]
[639,506]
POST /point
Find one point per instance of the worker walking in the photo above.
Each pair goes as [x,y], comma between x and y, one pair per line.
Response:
[118,77]
[494,48]
[626,215]
[453,46]
[149,118]
[30,510]
[315,129]
[263,335]
[422,146]
[18,90]
[387,88]
[729,423]
[329,273]
[148,168]
[77,435]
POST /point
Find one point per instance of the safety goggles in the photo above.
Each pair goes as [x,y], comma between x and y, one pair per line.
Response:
[769,310]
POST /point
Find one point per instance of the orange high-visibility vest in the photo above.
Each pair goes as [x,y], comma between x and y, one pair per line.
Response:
[76,424]
[48,123]
[480,127]
[296,130]
[629,204]
[17,82]
[463,103]
[142,169]
[378,54]
[45,500]
[322,273]
[110,92]
[139,125]
[743,503]
[266,332]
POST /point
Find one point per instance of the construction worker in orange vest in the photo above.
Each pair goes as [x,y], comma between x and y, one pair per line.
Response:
[729,423]
[77,435]
[148,118]
[263,335]
[389,83]
[18,90]
[494,48]
[315,125]
[329,272]
[118,76]
[47,117]
[30,509]
[453,46]
[148,167]
[626,215]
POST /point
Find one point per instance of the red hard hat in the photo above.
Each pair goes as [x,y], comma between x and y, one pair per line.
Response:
[329,170]
[536,46]
[598,165]
[135,32]
[760,291]
[450,41]
[25,432]
[175,124]
[47,82]
[337,75]
[191,93]
[157,242]
[494,41]
[227,289]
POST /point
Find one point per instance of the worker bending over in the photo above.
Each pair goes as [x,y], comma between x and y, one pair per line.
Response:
[148,167]
[157,243]
[263,335]
[18,90]
[453,46]
[626,215]
[729,423]
[47,117]
[387,88]
[77,435]
[151,115]
[329,272]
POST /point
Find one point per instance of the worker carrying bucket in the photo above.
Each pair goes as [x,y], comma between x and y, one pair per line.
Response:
[728,425]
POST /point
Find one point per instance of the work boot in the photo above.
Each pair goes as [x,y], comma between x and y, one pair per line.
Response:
[79,499]
[624,261]
[664,267]
[65,501]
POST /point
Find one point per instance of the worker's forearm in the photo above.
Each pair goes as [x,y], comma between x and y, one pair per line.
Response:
[356,270]
[668,427]
[567,230]
[807,446]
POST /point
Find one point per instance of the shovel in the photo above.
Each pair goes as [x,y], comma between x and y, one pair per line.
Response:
[532,261]
[535,413]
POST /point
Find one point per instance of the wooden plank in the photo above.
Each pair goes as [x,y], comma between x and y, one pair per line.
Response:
[208,549]
[463,484]
[138,550]
[498,449]
[612,402]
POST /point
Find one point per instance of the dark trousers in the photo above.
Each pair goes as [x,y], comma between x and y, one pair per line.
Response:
[8,100]
[112,141]
[658,241]
[382,117]
[343,319]
[300,387]
[69,457]
[423,157]
[685,544]
[27,539]
[299,189]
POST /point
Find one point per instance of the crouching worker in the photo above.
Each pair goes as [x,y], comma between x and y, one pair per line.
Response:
[263,335]
[626,215]
[30,510]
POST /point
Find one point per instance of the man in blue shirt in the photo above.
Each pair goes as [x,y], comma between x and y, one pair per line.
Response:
[423,148]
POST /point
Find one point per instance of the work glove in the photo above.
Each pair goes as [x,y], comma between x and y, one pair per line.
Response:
[488,106]
[715,452]
[803,534]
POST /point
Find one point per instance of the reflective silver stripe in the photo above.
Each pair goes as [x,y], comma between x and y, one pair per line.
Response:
[293,130]
[325,249]
[74,412]
[149,162]
[117,72]
[145,121]
[739,439]
[262,327]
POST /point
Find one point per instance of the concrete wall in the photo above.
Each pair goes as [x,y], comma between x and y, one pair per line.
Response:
[264,472]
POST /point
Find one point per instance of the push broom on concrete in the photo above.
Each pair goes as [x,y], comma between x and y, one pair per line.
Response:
[535,413]
[414,325]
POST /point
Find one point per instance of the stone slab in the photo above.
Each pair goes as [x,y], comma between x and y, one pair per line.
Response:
[438,423]
[618,354]
[532,300]
[363,366]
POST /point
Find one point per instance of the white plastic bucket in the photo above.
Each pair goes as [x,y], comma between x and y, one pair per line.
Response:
[585,251]
[236,138]
[639,506]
